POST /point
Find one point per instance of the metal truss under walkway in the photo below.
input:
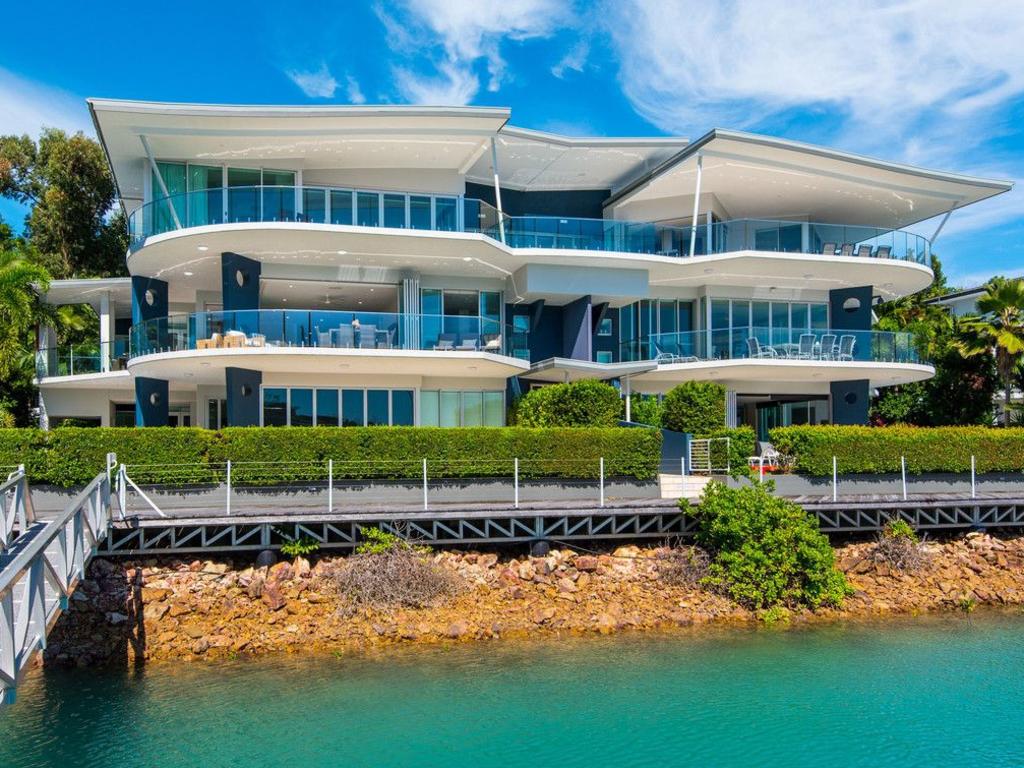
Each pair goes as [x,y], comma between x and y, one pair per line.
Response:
[562,521]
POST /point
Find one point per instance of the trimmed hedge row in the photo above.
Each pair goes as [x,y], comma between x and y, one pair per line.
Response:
[878,449]
[276,455]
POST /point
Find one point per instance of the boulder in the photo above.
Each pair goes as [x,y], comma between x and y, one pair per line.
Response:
[273,597]
[586,563]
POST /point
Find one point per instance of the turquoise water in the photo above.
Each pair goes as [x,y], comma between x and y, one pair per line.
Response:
[920,692]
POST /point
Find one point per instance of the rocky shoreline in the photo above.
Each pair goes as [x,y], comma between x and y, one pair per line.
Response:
[130,612]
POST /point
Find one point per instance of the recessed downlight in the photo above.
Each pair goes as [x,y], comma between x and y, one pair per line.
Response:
[202,248]
[342,253]
[188,274]
[467,258]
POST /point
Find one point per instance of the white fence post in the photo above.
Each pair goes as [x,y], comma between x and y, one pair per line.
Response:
[424,483]
[602,481]
[228,505]
[760,467]
[516,483]
[972,476]
[330,485]
[835,480]
[122,490]
[903,473]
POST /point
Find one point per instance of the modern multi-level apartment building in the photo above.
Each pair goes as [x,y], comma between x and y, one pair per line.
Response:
[417,265]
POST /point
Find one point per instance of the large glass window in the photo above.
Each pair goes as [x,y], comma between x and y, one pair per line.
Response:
[450,410]
[402,413]
[472,409]
[164,212]
[394,211]
[314,205]
[327,407]
[376,407]
[352,414]
[278,195]
[243,194]
[206,196]
[494,409]
[445,214]
[301,408]
[819,316]
[419,212]
[367,209]
[341,206]
[429,408]
[275,407]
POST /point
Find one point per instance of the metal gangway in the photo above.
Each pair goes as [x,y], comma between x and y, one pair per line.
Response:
[41,564]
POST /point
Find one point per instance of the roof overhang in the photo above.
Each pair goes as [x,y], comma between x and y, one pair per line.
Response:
[561,370]
[745,175]
[328,137]
[91,291]
[536,160]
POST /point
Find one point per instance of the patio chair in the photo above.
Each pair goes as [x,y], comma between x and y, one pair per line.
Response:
[829,349]
[492,343]
[846,345]
[445,342]
[806,349]
[344,337]
[755,350]
[256,340]
[367,336]
[324,339]
[233,340]
[883,251]
[863,251]
[828,249]
[846,250]
[469,344]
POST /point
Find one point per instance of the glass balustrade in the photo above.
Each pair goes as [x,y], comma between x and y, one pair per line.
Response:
[76,359]
[324,329]
[774,344]
[320,205]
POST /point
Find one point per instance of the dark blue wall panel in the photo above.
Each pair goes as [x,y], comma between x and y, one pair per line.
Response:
[854,319]
[149,298]
[151,402]
[575,203]
[576,332]
[243,397]
[850,401]
[239,296]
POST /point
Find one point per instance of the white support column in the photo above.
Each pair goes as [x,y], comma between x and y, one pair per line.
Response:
[707,235]
[106,331]
[805,237]
[629,397]
[160,182]
[497,191]
[696,205]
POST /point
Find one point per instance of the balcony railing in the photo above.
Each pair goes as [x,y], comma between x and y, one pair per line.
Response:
[75,359]
[775,344]
[261,328]
[443,213]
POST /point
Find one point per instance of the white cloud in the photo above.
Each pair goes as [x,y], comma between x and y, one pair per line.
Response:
[316,84]
[29,106]
[355,93]
[465,32]
[575,59]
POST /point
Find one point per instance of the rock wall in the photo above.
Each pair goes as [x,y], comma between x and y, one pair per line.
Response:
[131,611]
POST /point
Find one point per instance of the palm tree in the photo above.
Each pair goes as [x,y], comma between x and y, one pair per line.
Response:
[999,329]
[21,309]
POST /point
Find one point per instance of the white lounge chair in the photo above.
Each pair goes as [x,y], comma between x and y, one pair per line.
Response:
[755,350]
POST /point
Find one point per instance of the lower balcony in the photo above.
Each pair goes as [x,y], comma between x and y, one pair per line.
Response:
[82,359]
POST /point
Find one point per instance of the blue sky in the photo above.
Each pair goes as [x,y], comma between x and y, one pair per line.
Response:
[927,82]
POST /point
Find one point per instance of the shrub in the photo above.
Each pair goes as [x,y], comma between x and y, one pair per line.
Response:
[586,403]
[741,446]
[697,407]
[765,550]
[644,409]
[285,455]
[303,545]
[388,572]
[898,546]
[878,449]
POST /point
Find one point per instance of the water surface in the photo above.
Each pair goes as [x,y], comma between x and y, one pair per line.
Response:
[914,692]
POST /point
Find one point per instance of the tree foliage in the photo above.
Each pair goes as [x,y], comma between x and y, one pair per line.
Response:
[697,407]
[586,403]
[71,193]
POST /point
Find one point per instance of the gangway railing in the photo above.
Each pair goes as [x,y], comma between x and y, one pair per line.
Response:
[40,569]
[709,456]
[16,513]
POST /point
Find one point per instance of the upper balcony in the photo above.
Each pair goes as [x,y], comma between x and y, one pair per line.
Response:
[442,213]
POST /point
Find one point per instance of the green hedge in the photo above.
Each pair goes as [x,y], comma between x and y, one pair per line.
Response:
[878,449]
[742,442]
[71,456]
[697,407]
[586,403]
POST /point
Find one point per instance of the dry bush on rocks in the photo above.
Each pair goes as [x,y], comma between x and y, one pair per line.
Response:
[682,565]
[899,547]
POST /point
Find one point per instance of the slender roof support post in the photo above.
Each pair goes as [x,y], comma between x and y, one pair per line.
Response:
[696,206]
[938,229]
[497,191]
[160,181]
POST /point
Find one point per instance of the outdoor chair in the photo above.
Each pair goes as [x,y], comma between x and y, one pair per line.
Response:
[846,345]
[863,251]
[256,340]
[367,336]
[324,339]
[806,349]
[445,342]
[344,337]
[829,349]
[755,350]
[469,344]
[883,251]
[846,250]
[828,249]
[492,343]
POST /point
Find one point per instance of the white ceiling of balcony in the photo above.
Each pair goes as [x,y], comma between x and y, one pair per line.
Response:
[750,176]
[336,137]
[543,161]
